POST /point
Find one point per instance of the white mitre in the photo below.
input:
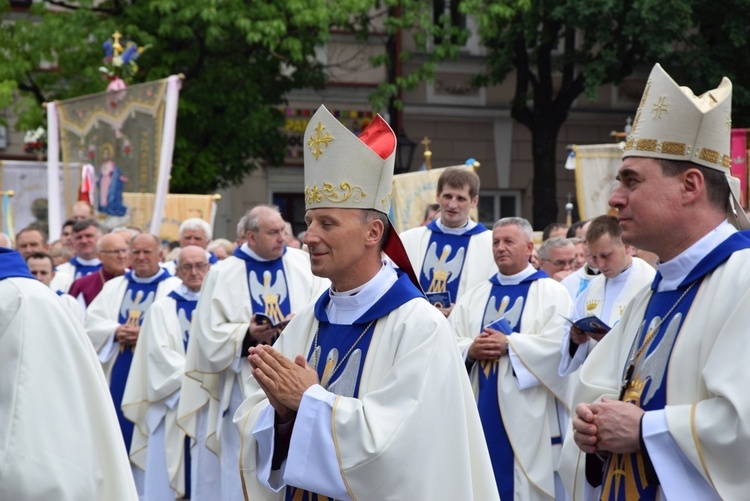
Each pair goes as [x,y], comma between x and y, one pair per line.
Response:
[673,123]
[344,171]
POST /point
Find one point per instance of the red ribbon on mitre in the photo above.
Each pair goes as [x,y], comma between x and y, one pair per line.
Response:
[379,137]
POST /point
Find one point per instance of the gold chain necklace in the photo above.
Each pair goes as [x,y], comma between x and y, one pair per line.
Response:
[636,352]
[338,366]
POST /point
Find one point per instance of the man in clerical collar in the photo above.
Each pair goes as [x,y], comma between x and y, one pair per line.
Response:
[86,234]
[345,403]
[452,253]
[622,277]
[114,318]
[112,251]
[516,394]
[160,447]
[664,411]
[193,231]
[262,278]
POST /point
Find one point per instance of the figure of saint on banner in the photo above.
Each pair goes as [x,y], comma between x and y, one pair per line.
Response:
[110,183]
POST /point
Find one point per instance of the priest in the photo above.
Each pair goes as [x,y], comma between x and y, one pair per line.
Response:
[513,369]
[114,318]
[351,400]
[159,446]
[664,410]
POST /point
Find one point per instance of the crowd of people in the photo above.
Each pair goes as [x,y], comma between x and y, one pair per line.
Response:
[452,361]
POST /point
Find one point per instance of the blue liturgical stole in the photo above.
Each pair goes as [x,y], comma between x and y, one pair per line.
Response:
[13,265]
[508,301]
[185,308]
[83,269]
[138,298]
[269,289]
[624,474]
[340,373]
[444,260]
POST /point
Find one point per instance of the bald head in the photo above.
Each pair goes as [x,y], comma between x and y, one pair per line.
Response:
[112,251]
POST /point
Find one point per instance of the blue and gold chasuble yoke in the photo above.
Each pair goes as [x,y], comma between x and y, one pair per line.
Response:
[184,309]
[444,260]
[625,476]
[139,296]
[268,286]
[508,301]
[340,373]
[81,270]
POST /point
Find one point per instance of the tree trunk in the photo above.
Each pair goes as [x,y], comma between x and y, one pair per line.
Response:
[543,146]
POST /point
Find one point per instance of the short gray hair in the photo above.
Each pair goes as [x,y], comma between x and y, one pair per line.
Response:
[195,223]
[520,222]
[553,243]
[251,219]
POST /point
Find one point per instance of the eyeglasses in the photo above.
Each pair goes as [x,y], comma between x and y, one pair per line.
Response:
[560,262]
[190,267]
[114,251]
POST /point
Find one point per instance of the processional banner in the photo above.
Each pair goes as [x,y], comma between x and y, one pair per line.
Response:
[176,209]
[412,193]
[28,205]
[126,137]
[596,168]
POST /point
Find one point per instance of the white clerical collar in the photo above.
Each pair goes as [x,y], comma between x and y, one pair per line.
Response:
[674,271]
[347,306]
[622,276]
[517,278]
[183,291]
[455,231]
[147,280]
[88,262]
[247,250]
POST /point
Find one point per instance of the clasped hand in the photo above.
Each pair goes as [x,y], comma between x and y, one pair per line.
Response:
[127,334]
[283,381]
[607,426]
[489,345]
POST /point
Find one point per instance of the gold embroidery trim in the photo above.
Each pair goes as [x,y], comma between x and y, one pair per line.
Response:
[318,140]
[345,191]
[709,155]
[386,200]
[673,148]
[647,145]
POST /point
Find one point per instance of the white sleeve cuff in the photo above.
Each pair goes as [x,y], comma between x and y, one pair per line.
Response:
[236,365]
[109,349]
[568,364]
[524,378]
[263,431]
[678,477]
[313,463]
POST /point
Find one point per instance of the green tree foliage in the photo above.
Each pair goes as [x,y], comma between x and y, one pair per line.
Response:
[558,51]
[239,59]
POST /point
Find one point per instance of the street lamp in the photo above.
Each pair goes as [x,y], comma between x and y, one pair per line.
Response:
[404,153]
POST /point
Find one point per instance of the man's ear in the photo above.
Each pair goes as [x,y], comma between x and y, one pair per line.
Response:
[375,230]
[693,184]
